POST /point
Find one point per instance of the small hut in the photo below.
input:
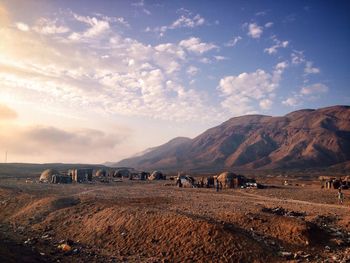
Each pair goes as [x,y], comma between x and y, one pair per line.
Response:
[61,179]
[186,181]
[122,173]
[80,175]
[231,180]
[46,176]
[157,175]
[144,175]
[101,173]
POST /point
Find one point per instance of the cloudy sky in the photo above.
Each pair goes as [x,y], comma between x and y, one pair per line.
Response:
[95,81]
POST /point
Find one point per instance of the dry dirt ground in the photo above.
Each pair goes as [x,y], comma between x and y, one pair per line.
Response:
[138,221]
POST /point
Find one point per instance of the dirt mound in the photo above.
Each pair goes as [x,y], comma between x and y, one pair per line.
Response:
[142,235]
[37,210]
[283,228]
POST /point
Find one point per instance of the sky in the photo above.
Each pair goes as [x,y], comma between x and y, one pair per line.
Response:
[95,81]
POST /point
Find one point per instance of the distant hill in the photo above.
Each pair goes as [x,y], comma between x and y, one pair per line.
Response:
[34,169]
[301,139]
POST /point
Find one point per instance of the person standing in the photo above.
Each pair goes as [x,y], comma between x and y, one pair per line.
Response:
[340,196]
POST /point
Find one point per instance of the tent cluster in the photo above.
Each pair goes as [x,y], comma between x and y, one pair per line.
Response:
[225,180]
[73,175]
[329,182]
[86,174]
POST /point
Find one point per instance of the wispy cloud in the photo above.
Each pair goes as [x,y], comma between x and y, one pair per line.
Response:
[186,20]
[220,58]
[47,27]
[310,92]
[192,71]
[310,69]
[95,28]
[317,88]
[297,57]
[269,24]
[141,5]
[277,45]
[233,41]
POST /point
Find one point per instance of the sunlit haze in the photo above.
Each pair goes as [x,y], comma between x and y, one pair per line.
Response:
[96,81]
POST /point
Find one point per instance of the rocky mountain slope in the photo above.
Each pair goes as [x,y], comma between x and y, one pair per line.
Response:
[301,139]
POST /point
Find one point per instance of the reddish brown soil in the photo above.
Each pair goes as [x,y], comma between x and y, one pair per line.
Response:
[154,222]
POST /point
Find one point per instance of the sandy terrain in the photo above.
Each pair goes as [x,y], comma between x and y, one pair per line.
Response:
[134,221]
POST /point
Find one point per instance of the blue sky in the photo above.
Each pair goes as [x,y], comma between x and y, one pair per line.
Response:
[121,76]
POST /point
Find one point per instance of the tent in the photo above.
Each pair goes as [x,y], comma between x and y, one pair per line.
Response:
[122,173]
[231,180]
[157,175]
[46,176]
[61,179]
[101,172]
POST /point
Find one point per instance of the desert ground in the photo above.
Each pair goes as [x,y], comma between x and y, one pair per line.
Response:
[155,221]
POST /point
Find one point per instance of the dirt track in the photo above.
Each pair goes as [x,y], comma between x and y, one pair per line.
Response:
[155,221]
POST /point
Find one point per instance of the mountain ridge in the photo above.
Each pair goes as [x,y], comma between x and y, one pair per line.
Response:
[301,139]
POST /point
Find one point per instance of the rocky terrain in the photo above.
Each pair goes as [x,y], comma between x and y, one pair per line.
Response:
[154,221]
[301,139]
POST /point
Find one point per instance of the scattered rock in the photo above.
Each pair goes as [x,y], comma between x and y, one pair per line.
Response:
[282,212]
[286,254]
[65,247]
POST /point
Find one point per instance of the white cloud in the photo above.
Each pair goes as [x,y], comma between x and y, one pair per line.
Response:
[95,29]
[22,26]
[317,88]
[292,101]
[241,92]
[268,24]
[119,20]
[187,20]
[233,41]
[205,60]
[278,44]
[309,69]
[195,45]
[220,58]
[297,57]
[254,30]
[131,79]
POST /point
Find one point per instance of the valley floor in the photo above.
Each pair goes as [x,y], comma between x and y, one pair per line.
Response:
[137,221]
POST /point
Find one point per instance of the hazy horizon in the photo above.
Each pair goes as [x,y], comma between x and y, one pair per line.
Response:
[97,81]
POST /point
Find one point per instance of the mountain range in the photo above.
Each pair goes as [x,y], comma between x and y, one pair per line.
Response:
[301,139]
